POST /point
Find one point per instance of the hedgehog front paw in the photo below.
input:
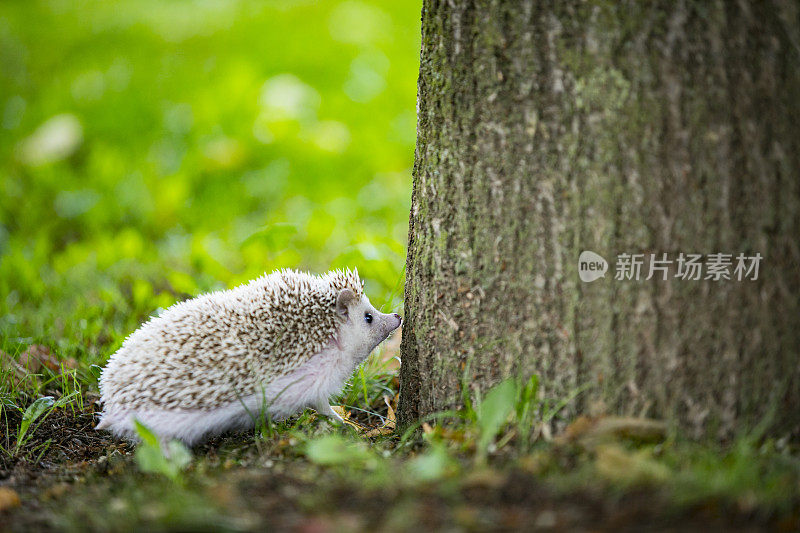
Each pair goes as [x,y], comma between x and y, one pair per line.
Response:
[333,416]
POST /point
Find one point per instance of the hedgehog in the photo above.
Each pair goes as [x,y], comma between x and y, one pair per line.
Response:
[218,362]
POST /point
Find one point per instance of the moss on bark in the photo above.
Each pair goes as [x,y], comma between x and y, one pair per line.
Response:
[617,127]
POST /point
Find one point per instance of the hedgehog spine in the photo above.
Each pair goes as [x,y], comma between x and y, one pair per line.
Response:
[281,343]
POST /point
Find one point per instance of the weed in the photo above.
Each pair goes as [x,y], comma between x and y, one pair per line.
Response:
[69,385]
[493,412]
[32,418]
[337,450]
[164,458]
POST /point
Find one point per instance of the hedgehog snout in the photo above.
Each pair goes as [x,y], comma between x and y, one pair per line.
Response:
[393,321]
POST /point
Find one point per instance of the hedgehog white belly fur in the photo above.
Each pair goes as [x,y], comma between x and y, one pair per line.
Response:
[281,343]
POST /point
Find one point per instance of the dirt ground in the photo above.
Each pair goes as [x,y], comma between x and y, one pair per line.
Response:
[85,480]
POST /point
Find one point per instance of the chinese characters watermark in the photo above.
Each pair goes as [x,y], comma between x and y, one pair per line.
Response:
[663,266]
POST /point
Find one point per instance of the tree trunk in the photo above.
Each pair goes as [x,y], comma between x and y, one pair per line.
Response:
[639,128]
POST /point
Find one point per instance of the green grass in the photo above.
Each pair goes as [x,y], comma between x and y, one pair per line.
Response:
[202,144]
[195,144]
[497,434]
[306,464]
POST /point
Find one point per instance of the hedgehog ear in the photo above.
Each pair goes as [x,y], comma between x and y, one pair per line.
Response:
[343,300]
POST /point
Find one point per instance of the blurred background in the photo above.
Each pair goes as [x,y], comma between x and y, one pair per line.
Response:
[152,150]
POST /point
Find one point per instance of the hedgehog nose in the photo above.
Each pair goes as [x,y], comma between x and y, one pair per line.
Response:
[399,319]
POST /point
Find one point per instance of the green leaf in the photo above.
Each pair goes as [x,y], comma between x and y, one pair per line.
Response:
[493,411]
[432,465]
[64,400]
[96,371]
[334,450]
[146,434]
[34,411]
[527,397]
[37,409]
[152,457]
[179,454]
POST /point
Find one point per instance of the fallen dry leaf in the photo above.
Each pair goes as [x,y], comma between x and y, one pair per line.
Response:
[589,432]
[389,423]
[577,429]
[378,431]
[537,462]
[391,419]
[640,429]
[387,428]
[615,463]
[487,478]
[454,435]
[38,356]
[339,410]
[8,499]
[18,371]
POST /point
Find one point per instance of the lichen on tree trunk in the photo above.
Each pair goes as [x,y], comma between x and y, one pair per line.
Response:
[616,127]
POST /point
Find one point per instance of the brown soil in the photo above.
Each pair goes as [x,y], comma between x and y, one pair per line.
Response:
[295,496]
[64,437]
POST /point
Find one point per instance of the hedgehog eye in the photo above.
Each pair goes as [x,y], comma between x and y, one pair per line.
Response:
[368,318]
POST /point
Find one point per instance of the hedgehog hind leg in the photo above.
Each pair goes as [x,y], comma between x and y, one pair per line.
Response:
[189,426]
[185,426]
[165,425]
[118,423]
[196,425]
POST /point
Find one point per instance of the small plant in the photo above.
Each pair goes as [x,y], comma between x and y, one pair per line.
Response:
[32,413]
[493,412]
[35,414]
[432,465]
[155,457]
[513,408]
[527,403]
[334,449]
[69,384]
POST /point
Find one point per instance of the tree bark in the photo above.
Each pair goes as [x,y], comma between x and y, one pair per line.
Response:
[546,129]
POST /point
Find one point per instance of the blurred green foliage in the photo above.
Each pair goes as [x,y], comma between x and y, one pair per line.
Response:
[152,150]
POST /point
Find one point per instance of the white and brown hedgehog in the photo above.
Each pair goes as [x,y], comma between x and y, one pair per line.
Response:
[281,343]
